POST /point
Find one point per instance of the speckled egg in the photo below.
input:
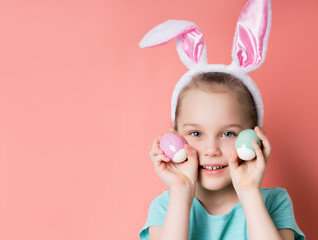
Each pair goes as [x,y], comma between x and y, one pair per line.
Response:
[172,145]
[244,144]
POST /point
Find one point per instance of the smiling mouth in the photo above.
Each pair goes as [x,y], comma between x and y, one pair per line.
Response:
[212,168]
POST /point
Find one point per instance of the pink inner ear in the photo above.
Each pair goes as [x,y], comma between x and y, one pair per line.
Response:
[192,41]
[251,31]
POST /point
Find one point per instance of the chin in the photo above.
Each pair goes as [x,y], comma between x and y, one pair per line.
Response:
[215,184]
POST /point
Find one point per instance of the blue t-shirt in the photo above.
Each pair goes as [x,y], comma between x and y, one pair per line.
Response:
[229,226]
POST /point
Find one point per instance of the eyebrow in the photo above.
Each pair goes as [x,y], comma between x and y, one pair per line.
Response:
[225,126]
[191,124]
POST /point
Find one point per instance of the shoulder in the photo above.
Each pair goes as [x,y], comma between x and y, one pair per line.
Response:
[278,203]
[163,197]
[156,213]
[274,194]
[273,190]
[161,202]
[280,208]
[276,198]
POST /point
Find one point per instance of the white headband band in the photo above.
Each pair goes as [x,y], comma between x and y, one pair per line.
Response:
[248,51]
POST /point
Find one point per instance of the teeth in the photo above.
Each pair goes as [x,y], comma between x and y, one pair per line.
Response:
[212,168]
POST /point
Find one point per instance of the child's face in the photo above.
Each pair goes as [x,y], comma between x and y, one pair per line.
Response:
[210,123]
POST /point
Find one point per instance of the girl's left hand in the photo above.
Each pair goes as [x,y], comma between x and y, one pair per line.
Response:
[248,175]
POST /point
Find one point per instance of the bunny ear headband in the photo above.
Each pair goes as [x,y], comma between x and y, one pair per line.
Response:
[248,51]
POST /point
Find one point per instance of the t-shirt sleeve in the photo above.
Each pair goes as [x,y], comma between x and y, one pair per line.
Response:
[282,212]
[156,214]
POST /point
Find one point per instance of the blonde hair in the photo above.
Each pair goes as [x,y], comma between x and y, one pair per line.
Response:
[216,82]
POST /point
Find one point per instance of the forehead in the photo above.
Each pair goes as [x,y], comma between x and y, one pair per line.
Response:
[216,108]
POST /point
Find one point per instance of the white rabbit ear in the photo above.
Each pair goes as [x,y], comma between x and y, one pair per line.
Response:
[251,35]
[190,43]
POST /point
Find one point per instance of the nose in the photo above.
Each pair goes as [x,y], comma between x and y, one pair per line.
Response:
[212,148]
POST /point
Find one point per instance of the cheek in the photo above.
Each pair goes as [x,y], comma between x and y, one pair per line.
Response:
[228,147]
[193,143]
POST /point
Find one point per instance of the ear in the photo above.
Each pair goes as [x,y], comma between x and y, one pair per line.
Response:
[190,43]
[251,35]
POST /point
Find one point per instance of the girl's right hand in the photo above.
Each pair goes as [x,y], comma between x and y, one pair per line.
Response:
[175,175]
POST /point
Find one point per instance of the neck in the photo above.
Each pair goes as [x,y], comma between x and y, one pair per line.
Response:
[217,202]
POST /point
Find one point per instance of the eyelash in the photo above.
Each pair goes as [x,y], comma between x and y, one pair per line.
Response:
[195,132]
[232,134]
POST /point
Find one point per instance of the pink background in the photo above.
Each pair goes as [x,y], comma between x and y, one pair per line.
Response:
[80,105]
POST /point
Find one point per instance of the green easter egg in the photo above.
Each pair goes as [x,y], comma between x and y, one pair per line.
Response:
[244,144]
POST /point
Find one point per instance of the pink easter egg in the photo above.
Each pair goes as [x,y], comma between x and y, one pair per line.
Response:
[172,145]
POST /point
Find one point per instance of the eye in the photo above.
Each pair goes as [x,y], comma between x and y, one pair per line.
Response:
[195,134]
[229,134]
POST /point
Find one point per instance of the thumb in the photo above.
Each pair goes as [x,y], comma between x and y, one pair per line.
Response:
[233,161]
[172,130]
[191,152]
[191,166]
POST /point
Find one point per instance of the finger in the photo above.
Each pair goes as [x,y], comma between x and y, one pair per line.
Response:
[259,154]
[159,158]
[156,141]
[259,129]
[233,161]
[190,167]
[154,152]
[266,145]
[155,146]
[158,151]
[172,130]
[191,153]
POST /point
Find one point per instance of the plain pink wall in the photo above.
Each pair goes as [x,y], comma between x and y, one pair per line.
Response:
[80,104]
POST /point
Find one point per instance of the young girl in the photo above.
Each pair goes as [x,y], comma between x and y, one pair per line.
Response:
[214,194]
[228,202]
